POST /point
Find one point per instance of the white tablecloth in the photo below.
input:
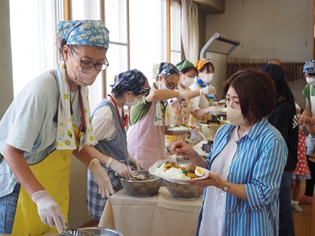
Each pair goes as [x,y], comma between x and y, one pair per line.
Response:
[156,215]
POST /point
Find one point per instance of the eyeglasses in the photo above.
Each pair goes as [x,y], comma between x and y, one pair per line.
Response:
[89,64]
[171,87]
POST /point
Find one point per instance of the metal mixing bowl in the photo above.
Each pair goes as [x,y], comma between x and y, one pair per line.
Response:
[95,231]
[183,191]
[142,188]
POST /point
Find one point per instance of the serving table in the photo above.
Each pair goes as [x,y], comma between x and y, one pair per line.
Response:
[157,215]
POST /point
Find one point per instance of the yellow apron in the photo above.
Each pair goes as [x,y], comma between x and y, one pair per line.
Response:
[53,173]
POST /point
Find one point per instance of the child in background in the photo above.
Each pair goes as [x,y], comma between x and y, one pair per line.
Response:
[301,171]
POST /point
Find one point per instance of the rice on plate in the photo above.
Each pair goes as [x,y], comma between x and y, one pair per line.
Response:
[171,173]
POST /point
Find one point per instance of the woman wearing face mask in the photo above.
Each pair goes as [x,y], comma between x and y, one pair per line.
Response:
[151,116]
[181,114]
[246,162]
[309,94]
[205,75]
[109,124]
[47,121]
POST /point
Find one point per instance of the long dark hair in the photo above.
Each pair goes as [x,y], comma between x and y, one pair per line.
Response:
[284,91]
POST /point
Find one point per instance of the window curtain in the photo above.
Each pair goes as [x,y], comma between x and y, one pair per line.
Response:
[190,30]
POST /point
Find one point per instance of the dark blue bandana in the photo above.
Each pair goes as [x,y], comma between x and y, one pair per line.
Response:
[131,81]
[167,69]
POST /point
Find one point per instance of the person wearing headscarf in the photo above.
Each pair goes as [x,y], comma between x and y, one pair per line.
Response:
[109,122]
[181,114]
[151,116]
[309,94]
[203,79]
[46,122]
[285,120]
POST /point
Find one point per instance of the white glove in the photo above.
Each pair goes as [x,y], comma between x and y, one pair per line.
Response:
[48,210]
[182,98]
[120,168]
[208,90]
[134,163]
[105,187]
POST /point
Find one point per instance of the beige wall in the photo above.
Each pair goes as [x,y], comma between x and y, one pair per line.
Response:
[6,82]
[266,29]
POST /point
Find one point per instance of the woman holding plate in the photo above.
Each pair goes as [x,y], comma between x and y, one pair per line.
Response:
[246,162]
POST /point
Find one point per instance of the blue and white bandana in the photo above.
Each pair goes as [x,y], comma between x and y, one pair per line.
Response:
[309,67]
[167,69]
[84,32]
[131,80]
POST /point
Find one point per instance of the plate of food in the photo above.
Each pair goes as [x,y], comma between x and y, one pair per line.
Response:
[218,110]
[180,128]
[174,172]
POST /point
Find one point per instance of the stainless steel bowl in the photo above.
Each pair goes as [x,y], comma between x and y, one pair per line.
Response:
[95,231]
[142,188]
[183,191]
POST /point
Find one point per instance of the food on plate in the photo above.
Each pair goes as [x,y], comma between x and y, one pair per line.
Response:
[191,175]
[199,172]
[181,127]
[173,170]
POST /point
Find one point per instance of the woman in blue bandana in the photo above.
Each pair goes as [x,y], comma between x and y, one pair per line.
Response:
[47,121]
[109,122]
[150,117]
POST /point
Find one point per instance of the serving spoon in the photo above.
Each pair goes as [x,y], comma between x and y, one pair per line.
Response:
[74,231]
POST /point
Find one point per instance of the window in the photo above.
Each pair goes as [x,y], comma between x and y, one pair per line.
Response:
[176,52]
[146,35]
[135,42]
[34,46]
[116,22]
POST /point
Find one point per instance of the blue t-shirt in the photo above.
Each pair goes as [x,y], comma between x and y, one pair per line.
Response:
[28,125]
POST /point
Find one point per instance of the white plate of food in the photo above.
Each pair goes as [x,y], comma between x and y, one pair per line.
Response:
[174,172]
[218,110]
[180,128]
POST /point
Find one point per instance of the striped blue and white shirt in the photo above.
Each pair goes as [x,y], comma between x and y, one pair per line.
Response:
[259,164]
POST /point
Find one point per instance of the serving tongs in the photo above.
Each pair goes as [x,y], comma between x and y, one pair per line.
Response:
[71,231]
[140,174]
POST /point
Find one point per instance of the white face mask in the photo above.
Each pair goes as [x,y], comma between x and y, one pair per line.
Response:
[188,81]
[310,81]
[135,101]
[207,78]
[83,77]
[235,117]
[163,86]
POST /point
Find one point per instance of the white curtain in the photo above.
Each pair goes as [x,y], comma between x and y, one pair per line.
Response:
[190,30]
